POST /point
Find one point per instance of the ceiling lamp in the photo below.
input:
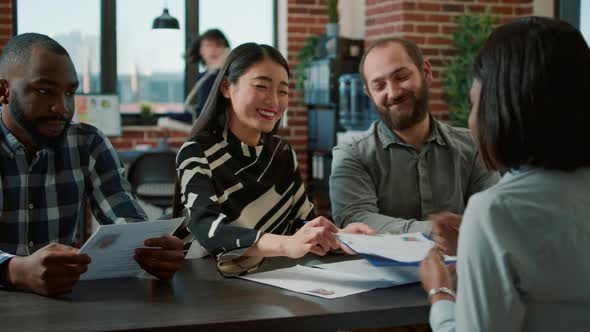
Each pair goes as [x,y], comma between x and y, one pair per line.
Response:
[165,21]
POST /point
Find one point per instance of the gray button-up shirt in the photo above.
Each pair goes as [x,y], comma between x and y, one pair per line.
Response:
[379,180]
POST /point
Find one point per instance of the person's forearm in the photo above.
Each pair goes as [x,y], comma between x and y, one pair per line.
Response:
[386,224]
[442,316]
[269,245]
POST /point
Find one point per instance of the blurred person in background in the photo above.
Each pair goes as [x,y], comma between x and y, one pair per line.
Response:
[210,49]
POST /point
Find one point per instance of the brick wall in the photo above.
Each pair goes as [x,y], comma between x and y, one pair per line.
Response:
[428,23]
[142,135]
[5,21]
[304,18]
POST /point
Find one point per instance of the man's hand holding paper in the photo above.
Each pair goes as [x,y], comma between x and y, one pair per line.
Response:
[163,257]
[123,250]
[52,270]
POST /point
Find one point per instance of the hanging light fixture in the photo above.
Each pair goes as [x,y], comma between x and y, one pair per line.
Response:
[165,21]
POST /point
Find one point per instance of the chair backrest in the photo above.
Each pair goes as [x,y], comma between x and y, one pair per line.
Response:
[152,177]
[178,209]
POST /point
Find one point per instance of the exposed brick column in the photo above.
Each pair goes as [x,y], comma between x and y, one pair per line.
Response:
[305,17]
[428,23]
[5,21]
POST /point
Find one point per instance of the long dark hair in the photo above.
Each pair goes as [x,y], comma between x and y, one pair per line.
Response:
[214,114]
[535,77]
[193,53]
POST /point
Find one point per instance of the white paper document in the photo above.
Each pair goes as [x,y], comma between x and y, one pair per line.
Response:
[397,275]
[403,248]
[112,247]
[317,282]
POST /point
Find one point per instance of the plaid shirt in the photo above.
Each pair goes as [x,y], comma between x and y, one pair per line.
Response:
[43,196]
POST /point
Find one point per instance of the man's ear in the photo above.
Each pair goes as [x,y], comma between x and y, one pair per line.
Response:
[4,91]
[225,88]
[427,69]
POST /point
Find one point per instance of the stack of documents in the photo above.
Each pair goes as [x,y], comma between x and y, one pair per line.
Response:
[336,280]
[389,249]
[390,260]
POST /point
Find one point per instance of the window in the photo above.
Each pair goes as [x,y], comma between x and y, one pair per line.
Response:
[240,21]
[585,20]
[150,63]
[80,36]
[577,13]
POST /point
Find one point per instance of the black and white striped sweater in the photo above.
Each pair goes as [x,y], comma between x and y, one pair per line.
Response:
[234,193]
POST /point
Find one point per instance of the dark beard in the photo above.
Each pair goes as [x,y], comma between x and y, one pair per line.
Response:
[419,112]
[30,126]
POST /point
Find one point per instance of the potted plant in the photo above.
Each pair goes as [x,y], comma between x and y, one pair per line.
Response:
[304,57]
[333,18]
[146,113]
[472,31]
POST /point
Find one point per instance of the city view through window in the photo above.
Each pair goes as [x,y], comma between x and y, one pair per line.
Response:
[150,63]
[80,36]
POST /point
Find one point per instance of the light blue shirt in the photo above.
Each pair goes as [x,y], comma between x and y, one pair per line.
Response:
[523,256]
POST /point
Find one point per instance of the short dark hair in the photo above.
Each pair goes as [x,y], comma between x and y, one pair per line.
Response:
[533,108]
[213,116]
[193,54]
[18,49]
[412,50]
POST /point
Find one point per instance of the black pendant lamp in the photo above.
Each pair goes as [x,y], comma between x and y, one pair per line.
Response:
[165,21]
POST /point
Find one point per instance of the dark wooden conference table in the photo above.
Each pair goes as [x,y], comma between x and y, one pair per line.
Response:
[199,299]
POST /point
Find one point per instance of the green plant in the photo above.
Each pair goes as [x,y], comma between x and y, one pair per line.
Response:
[145,108]
[472,31]
[304,58]
[333,16]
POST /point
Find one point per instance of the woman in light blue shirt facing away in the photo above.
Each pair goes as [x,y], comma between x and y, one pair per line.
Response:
[523,245]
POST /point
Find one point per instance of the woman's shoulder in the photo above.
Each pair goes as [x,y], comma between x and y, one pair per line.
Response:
[197,145]
[279,145]
[277,141]
[504,214]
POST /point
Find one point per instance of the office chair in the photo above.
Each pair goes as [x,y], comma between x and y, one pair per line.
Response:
[152,177]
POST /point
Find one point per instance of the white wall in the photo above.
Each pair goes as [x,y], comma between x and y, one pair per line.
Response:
[352,18]
[543,8]
[282,27]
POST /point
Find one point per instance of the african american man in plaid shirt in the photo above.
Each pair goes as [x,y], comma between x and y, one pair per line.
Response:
[48,167]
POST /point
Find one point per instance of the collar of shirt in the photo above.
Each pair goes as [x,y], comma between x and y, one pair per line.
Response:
[388,137]
[238,147]
[512,173]
[203,77]
[8,140]
[13,146]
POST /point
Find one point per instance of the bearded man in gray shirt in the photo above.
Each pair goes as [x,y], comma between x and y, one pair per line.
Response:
[408,168]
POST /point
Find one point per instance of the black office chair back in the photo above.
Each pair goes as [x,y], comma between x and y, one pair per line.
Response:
[177,207]
[153,176]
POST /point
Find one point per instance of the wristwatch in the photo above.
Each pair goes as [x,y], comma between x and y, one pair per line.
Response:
[445,290]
